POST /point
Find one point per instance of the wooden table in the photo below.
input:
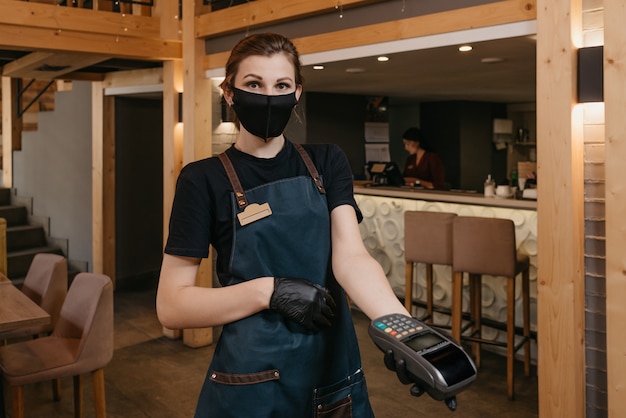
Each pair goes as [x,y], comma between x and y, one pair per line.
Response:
[18,310]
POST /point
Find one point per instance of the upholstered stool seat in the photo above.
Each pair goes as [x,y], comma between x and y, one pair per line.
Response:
[428,240]
[487,246]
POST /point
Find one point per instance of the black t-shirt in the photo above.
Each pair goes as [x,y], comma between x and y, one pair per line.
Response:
[202,212]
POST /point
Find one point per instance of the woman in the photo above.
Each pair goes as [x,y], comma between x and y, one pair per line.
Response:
[273,212]
[422,167]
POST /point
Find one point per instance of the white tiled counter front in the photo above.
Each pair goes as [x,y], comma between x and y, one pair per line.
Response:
[382,230]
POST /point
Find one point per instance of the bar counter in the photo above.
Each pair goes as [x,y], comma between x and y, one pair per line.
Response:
[383,232]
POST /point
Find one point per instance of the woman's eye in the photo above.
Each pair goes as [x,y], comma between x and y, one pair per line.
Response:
[253,85]
[283,86]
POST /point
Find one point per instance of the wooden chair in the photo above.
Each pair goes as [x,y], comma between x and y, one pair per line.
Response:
[487,246]
[46,285]
[82,342]
[428,240]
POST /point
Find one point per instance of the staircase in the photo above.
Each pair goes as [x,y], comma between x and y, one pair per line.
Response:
[24,238]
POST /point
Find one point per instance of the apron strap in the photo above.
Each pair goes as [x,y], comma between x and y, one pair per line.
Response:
[240,196]
[311,167]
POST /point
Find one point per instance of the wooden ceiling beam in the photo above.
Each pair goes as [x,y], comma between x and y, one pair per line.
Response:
[263,12]
[49,65]
[43,39]
[58,18]
[497,13]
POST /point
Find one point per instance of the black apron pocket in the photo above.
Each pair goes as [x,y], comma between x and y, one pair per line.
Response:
[344,399]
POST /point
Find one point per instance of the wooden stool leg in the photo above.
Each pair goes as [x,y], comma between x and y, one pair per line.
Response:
[429,292]
[408,287]
[78,397]
[97,378]
[476,296]
[457,305]
[56,389]
[17,401]
[526,307]
[510,336]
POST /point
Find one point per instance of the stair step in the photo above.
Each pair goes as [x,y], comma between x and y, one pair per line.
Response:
[5,196]
[18,262]
[14,215]
[25,236]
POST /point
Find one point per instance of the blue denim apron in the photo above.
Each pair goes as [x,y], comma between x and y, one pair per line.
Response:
[266,365]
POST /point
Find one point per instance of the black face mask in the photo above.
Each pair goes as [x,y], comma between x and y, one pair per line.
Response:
[263,116]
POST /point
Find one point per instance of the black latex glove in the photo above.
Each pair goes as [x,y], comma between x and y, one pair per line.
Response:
[403,374]
[406,377]
[306,303]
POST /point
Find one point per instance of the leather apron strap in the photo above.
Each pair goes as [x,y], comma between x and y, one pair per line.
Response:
[240,196]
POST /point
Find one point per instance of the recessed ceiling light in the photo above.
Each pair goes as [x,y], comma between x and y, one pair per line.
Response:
[355,70]
[383,58]
[318,67]
[465,48]
[492,60]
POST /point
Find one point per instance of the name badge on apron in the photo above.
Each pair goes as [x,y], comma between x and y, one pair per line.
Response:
[253,212]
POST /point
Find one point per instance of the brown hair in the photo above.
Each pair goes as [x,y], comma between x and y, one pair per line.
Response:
[265,44]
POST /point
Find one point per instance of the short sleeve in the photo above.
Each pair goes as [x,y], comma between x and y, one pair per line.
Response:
[189,228]
[339,185]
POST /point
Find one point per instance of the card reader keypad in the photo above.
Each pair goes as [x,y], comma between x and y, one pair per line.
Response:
[399,326]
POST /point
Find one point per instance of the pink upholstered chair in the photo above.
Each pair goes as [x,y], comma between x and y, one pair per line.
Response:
[45,284]
[428,240]
[82,342]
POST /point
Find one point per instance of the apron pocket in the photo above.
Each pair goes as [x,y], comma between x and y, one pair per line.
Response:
[336,400]
[245,379]
[340,409]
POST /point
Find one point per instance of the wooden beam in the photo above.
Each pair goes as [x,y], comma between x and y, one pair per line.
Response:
[197,141]
[49,65]
[264,12]
[560,214]
[43,39]
[508,11]
[615,131]
[108,188]
[97,204]
[58,18]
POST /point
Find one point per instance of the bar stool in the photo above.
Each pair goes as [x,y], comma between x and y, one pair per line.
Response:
[428,240]
[487,246]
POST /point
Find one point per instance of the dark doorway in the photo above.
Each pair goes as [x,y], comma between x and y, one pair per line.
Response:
[138,187]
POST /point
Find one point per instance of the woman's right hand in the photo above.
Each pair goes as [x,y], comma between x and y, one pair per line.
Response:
[306,303]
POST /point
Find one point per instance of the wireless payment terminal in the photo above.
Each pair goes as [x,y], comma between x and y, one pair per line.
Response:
[434,362]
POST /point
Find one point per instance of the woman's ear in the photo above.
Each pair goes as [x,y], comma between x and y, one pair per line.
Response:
[228,96]
[298,91]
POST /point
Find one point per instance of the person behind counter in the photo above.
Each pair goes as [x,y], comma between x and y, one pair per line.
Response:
[422,166]
[288,346]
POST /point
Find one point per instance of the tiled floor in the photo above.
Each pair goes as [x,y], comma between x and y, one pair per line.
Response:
[152,376]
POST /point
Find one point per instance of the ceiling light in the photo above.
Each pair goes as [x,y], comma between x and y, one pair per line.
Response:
[383,58]
[355,70]
[492,60]
[465,48]
[318,67]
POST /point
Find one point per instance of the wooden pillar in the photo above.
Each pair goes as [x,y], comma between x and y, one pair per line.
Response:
[172,146]
[11,129]
[197,136]
[97,229]
[560,272]
[615,132]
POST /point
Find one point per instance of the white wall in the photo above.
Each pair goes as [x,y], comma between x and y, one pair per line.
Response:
[54,168]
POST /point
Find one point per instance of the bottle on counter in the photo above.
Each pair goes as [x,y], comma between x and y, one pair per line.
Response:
[514,178]
[490,187]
